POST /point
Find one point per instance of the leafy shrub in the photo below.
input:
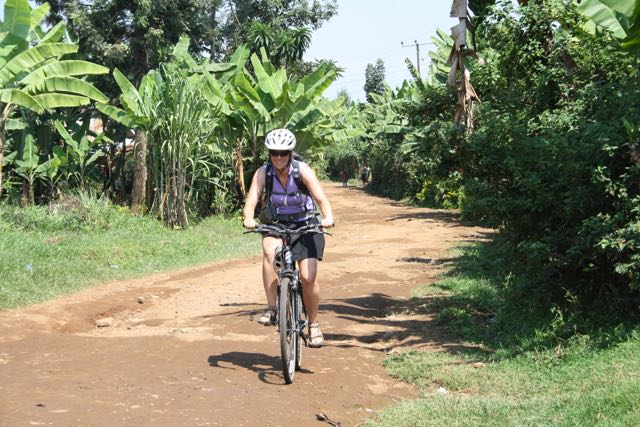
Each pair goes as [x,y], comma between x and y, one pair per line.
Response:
[551,160]
[72,213]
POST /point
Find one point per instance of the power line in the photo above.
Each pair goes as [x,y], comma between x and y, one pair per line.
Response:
[417,45]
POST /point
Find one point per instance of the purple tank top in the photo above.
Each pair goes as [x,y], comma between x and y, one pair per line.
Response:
[289,200]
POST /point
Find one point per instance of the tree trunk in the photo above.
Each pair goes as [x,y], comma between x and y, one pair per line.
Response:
[256,158]
[240,170]
[212,51]
[139,191]
[3,121]
[1,153]
[122,194]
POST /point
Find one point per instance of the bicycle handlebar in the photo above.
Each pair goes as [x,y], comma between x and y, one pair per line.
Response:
[280,230]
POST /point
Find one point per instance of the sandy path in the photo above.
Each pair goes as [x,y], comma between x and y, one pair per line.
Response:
[192,354]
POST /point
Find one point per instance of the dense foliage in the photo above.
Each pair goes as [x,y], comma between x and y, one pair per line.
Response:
[553,161]
[563,181]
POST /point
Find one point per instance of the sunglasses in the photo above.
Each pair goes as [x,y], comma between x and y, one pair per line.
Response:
[277,153]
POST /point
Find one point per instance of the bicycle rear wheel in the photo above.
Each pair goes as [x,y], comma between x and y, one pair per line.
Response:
[287,326]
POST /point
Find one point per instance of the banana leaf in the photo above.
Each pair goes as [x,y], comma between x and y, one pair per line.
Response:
[620,17]
[349,133]
[130,97]
[246,88]
[17,18]
[26,60]
[15,124]
[265,82]
[55,34]
[67,84]
[38,14]
[317,82]
[29,157]
[64,68]
[23,99]
[57,100]
[118,114]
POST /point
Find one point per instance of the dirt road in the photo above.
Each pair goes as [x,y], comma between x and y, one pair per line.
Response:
[184,348]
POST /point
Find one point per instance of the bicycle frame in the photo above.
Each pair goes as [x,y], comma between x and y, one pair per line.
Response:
[290,305]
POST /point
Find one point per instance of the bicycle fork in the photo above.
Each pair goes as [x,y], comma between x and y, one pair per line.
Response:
[299,309]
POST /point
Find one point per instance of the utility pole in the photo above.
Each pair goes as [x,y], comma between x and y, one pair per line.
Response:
[417,45]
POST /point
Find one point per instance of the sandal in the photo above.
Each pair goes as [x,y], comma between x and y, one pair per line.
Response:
[268,316]
[316,339]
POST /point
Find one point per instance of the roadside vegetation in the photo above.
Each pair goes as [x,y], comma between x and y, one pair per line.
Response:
[551,162]
[518,366]
[47,251]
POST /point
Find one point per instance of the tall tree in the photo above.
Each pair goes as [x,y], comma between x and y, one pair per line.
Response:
[374,79]
[235,18]
[283,47]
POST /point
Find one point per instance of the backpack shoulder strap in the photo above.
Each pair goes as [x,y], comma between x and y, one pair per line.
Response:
[268,181]
[297,176]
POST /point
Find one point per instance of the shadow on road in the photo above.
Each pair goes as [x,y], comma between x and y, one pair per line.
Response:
[384,323]
[268,368]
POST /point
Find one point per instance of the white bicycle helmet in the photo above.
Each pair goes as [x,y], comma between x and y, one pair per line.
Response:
[280,139]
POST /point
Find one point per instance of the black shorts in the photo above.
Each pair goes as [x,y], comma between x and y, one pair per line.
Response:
[309,245]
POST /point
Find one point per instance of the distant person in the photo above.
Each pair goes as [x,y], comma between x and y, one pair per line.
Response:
[364,174]
[344,177]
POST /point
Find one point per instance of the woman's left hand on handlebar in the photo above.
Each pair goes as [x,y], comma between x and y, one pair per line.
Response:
[250,223]
[327,222]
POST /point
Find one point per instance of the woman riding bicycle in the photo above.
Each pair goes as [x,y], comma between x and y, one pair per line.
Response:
[294,207]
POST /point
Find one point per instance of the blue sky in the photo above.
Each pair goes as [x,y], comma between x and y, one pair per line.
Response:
[365,30]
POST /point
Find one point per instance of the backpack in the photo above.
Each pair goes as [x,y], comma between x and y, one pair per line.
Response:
[268,212]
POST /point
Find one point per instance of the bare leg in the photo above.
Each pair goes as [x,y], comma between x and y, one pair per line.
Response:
[269,278]
[310,287]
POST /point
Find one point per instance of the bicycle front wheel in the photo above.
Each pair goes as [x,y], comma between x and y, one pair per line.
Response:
[287,326]
[299,311]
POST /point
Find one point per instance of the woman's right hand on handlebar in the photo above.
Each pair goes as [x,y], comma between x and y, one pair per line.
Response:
[249,223]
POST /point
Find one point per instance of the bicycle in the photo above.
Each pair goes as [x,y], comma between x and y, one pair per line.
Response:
[291,325]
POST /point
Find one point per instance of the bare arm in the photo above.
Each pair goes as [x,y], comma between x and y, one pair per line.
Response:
[253,196]
[313,185]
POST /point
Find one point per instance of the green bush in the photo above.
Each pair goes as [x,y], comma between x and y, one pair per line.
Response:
[79,212]
[551,161]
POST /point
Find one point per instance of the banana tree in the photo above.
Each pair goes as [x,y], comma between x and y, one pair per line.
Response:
[33,74]
[271,99]
[82,151]
[137,112]
[255,103]
[51,170]
[28,166]
[459,75]
[440,66]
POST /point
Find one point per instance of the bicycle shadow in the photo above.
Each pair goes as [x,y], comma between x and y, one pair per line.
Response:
[268,368]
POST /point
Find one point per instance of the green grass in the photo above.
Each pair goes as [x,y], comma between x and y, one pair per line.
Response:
[47,252]
[523,368]
[593,388]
